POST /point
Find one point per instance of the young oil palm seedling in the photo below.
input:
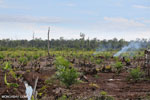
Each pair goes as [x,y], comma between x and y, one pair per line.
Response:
[1,56]
[64,97]
[9,84]
[105,96]
[23,61]
[128,61]
[118,66]
[135,74]
[29,57]
[8,68]
[12,56]
[36,56]
[99,61]
[66,73]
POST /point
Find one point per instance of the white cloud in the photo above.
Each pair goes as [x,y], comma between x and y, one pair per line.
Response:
[111,24]
[25,31]
[120,28]
[2,4]
[29,19]
[124,22]
[147,21]
[70,4]
[1,1]
[107,29]
[141,7]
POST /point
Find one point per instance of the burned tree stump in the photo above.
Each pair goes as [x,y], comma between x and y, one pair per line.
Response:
[147,62]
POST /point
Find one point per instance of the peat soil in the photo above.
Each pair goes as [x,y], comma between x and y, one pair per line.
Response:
[9,92]
[116,86]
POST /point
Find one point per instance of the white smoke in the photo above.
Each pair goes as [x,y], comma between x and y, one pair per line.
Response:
[131,47]
[103,47]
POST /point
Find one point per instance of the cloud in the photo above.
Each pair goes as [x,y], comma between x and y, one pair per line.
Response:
[124,22]
[147,21]
[22,27]
[70,4]
[1,1]
[25,31]
[141,7]
[29,19]
[120,28]
[2,4]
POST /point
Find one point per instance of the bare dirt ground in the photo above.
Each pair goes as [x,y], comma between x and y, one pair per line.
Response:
[116,86]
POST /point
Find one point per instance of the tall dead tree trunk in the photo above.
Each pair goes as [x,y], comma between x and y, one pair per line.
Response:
[33,35]
[34,93]
[33,40]
[48,42]
[88,43]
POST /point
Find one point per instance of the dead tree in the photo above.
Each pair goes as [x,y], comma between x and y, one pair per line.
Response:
[88,43]
[48,42]
[34,93]
[33,40]
[33,35]
[147,62]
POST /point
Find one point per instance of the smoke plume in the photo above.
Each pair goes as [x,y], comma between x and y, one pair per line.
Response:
[132,46]
[103,47]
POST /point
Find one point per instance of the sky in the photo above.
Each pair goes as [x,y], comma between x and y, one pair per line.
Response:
[101,19]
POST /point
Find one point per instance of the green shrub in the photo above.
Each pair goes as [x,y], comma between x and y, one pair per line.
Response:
[7,66]
[103,93]
[63,97]
[60,61]
[92,59]
[107,55]
[135,74]
[128,60]
[23,60]
[51,80]
[99,61]
[10,84]
[1,56]
[116,58]
[13,74]
[36,56]
[118,66]
[12,56]
[105,96]
[65,73]
[29,57]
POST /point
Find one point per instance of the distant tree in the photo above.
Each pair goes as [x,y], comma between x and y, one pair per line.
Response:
[61,43]
[82,35]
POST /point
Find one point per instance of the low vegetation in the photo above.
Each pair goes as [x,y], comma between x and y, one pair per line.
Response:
[118,66]
[66,73]
[135,74]
[73,74]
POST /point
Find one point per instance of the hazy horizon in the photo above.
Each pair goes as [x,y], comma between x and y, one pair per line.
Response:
[121,19]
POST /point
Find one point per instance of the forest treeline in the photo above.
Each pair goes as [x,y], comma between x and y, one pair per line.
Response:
[61,44]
